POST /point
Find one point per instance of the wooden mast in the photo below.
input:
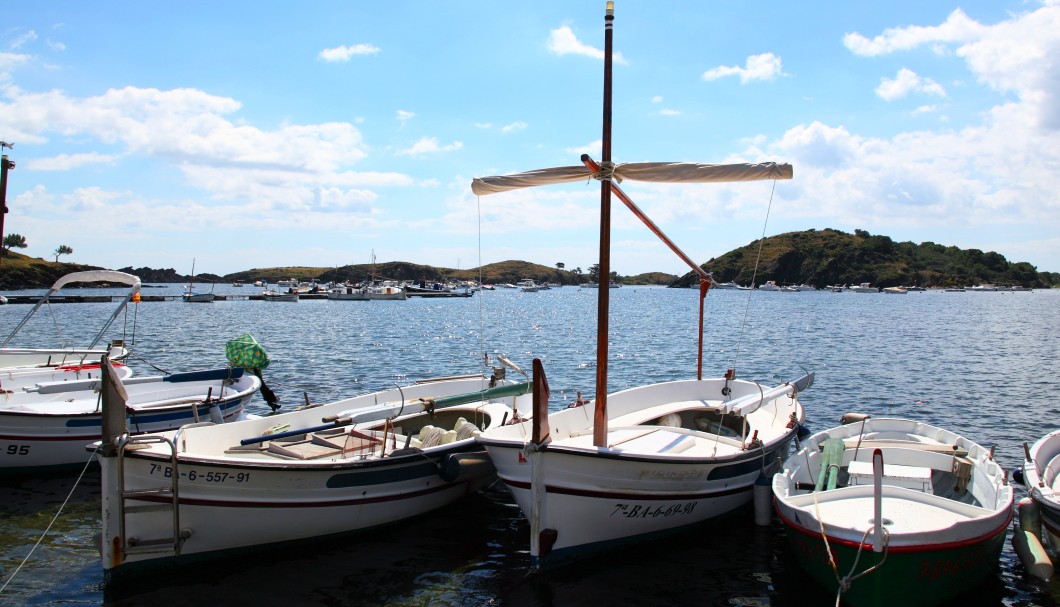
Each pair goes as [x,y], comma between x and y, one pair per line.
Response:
[604,276]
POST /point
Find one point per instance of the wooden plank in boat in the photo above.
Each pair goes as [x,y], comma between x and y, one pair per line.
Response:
[851,443]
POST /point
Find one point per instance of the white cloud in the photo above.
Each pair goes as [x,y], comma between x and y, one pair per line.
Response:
[513,127]
[562,41]
[766,66]
[669,112]
[430,145]
[55,45]
[22,40]
[905,82]
[404,116]
[592,149]
[657,99]
[341,54]
[958,27]
[64,162]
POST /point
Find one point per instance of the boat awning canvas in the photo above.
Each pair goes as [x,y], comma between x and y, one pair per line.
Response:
[657,172]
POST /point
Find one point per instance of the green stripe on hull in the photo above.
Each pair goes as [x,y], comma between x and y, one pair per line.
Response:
[911,578]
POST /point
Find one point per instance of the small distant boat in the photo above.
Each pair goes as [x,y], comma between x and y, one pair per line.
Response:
[237,284]
[721,285]
[528,285]
[770,285]
[954,289]
[436,289]
[63,356]
[903,512]
[275,295]
[864,287]
[189,294]
[805,287]
[983,287]
[914,288]
[836,288]
[895,290]
[375,291]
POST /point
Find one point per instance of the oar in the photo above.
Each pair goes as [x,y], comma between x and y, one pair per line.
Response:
[338,423]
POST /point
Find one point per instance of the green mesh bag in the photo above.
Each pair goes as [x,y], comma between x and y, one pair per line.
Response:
[245,351]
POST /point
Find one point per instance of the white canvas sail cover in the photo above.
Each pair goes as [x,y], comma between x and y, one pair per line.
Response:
[658,172]
[99,276]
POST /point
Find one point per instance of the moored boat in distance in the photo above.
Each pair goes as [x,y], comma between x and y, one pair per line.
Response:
[864,287]
[895,290]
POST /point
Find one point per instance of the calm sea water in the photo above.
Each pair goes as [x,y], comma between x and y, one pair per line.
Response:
[981,364]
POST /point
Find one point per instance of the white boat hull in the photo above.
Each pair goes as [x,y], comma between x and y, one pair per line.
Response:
[1041,478]
[51,426]
[241,486]
[653,477]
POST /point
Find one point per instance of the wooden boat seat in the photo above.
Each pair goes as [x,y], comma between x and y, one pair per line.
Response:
[911,477]
[870,444]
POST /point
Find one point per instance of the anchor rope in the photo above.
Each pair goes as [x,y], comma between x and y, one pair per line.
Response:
[846,581]
[52,522]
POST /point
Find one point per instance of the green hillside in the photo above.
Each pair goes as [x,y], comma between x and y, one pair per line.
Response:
[832,257]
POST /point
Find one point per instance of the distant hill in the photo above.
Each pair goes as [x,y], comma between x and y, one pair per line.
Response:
[832,257]
[820,258]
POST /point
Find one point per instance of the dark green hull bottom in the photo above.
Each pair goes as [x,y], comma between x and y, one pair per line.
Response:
[907,577]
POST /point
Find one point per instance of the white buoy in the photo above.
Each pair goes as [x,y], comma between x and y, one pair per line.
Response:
[1026,541]
[763,498]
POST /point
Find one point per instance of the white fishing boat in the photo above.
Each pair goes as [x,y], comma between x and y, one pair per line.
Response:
[48,424]
[864,287]
[63,356]
[344,466]
[886,511]
[1040,520]
[895,290]
[769,285]
[654,458]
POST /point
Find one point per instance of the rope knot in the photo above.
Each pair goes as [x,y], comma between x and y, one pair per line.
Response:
[606,172]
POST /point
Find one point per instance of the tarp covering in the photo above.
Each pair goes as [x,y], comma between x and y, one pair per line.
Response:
[99,276]
[658,172]
[245,351]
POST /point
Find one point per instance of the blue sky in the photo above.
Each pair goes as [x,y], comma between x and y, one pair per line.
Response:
[260,134]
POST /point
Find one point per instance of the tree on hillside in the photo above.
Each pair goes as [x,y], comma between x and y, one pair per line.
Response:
[14,241]
[560,265]
[62,250]
[594,272]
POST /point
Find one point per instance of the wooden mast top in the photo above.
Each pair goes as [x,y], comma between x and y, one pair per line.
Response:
[604,275]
